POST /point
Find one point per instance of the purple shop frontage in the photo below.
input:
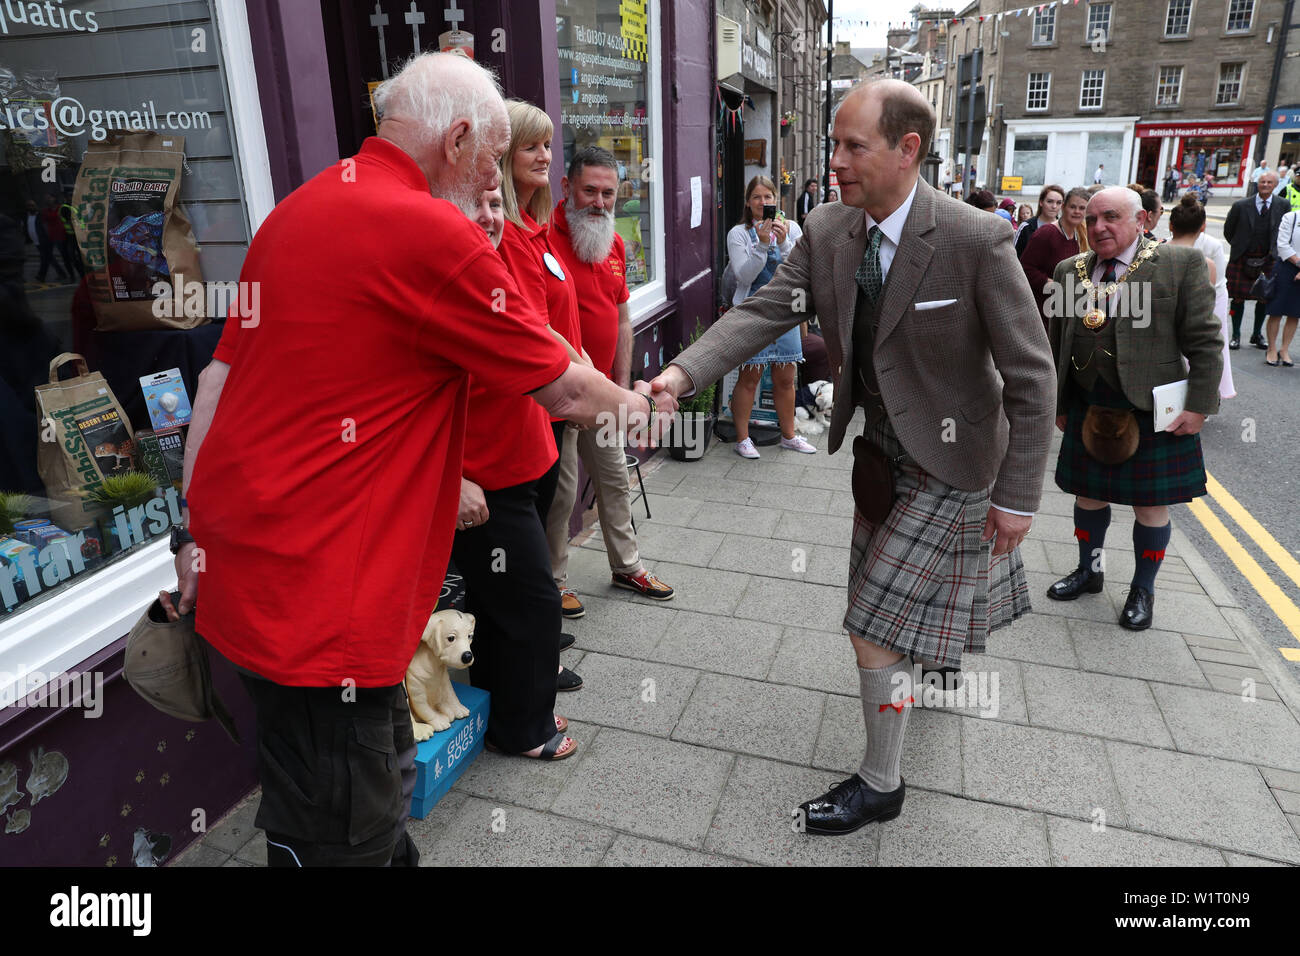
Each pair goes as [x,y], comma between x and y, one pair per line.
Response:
[245,100]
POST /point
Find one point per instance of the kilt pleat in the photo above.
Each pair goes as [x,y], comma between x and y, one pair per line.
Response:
[1240,277]
[921,581]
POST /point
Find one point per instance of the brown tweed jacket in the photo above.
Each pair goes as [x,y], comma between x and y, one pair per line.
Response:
[1178,292]
[968,386]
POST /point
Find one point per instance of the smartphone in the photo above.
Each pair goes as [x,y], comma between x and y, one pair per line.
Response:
[769,211]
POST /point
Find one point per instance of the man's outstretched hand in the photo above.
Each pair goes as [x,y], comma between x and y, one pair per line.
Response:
[1011,529]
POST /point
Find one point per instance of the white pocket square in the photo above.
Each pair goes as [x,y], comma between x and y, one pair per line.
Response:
[936,304]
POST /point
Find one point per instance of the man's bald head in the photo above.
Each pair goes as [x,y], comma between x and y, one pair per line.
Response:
[903,110]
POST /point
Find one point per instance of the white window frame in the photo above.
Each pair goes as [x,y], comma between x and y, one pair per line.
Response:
[1101,92]
[88,615]
[1047,15]
[1110,21]
[1227,18]
[1029,92]
[1177,99]
[1191,10]
[650,297]
[1241,83]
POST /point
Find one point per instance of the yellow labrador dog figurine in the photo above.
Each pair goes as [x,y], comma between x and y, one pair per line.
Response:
[445,643]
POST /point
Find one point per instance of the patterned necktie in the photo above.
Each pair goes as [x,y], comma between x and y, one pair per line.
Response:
[1263,208]
[869,276]
[1107,277]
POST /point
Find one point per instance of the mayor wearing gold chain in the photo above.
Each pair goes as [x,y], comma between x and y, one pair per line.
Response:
[1140,315]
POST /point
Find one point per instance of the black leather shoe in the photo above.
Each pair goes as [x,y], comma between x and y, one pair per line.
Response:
[850,806]
[1234,344]
[1136,615]
[945,678]
[1079,581]
[567,641]
[1259,342]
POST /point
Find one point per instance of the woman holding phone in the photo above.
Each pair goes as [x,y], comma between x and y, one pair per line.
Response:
[756,245]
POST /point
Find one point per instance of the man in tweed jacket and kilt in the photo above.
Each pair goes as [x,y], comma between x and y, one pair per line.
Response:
[931,329]
[1111,351]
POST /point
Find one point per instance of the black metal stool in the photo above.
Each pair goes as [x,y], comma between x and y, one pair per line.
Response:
[633,464]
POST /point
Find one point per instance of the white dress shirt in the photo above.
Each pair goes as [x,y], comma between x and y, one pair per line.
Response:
[1260,202]
[892,227]
[1123,261]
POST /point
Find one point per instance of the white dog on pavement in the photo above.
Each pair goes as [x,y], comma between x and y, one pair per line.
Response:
[445,643]
[813,419]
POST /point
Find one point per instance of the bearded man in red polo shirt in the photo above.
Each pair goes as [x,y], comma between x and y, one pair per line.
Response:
[582,233]
[325,494]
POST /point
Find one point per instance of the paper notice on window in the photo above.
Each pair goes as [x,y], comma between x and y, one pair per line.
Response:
[697,201]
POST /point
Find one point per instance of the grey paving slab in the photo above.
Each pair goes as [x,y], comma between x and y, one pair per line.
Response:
[1282,779]
[660,482]
[817,606]
[1239,657]
[612,626]
[768,470]
[1203,799]
[1217,643]
[675,509]
[936,829]
[817,659]
[696,589]
[236,828]
[1190,614]
[931,748]
[589,571]
[803,500]
[635,851]
[235,862]
[485,833]
[1034,555]
[992,689]
[254,851]
[200,854]
[1232,670]
[1055,528]
[1151,654]
[731,518]
[656,542]
[723,645]
[1089,607]
[427,832]
[1056,503]
[841,503]
[646,696]
[1102,705]
[789,560]
[655,788]
[1038,638]
[1079,843]
[716,488]
[522,782]
[719,458]
[1241,859]
[1221,725]
[1038,769]
[832,479]
[1288,801]
[753,819]
[835,530]
[1235,685]
[753,717]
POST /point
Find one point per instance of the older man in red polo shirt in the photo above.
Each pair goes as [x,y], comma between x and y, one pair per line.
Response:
[582,233]
[325,494]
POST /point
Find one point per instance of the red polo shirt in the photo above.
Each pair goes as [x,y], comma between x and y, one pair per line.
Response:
[324,497]
[601,288]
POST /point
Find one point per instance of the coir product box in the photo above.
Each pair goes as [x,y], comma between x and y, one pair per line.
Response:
[150,454]
[172,446]
[440,760]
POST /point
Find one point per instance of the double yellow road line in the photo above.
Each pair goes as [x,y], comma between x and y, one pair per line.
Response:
[1250,569]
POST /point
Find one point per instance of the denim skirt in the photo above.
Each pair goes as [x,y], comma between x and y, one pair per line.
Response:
[788,348]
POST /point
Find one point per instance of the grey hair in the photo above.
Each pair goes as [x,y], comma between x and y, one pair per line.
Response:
[434,90]
[1132,201]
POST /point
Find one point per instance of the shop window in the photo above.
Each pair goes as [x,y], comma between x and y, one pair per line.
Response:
[1044,31]
[123,227]
[1098,22]
[1092,88]
[608,51]
[1169,86]
[1105,148]
[1178,18]
[1220,156]
[1228,91]
[1040,86]
[1241,13]
[1030,159]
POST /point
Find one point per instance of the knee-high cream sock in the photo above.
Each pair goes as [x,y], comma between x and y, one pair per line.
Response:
[886,704]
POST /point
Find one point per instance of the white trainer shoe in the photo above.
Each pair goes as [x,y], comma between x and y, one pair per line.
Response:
[746,449]
[798,443]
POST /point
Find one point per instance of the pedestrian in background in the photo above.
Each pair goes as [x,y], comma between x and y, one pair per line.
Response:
[1286,295]
[1051,200]
[1251,231]
[1054,243]
[807,200]
[1187,226]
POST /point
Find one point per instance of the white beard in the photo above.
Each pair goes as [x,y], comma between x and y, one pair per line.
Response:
[591,233]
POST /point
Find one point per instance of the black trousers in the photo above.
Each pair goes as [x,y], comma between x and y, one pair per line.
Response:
[337,767]
[516,606]
[547,484]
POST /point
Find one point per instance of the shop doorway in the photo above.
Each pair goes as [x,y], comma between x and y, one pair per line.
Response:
[730,138]
[1148,162]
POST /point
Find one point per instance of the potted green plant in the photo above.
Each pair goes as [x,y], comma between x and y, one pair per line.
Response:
[695,416]
[128,490]
[13,508]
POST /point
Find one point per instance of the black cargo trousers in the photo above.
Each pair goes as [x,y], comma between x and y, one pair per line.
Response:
[337,768]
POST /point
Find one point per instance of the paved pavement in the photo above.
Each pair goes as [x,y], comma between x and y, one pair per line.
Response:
[704,720]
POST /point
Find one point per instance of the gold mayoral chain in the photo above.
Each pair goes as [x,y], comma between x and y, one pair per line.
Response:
[1095,318]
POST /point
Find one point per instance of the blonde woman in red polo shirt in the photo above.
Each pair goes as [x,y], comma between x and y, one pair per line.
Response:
[508,482]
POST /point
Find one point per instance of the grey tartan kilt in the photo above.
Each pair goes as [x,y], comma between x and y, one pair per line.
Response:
[921,581]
